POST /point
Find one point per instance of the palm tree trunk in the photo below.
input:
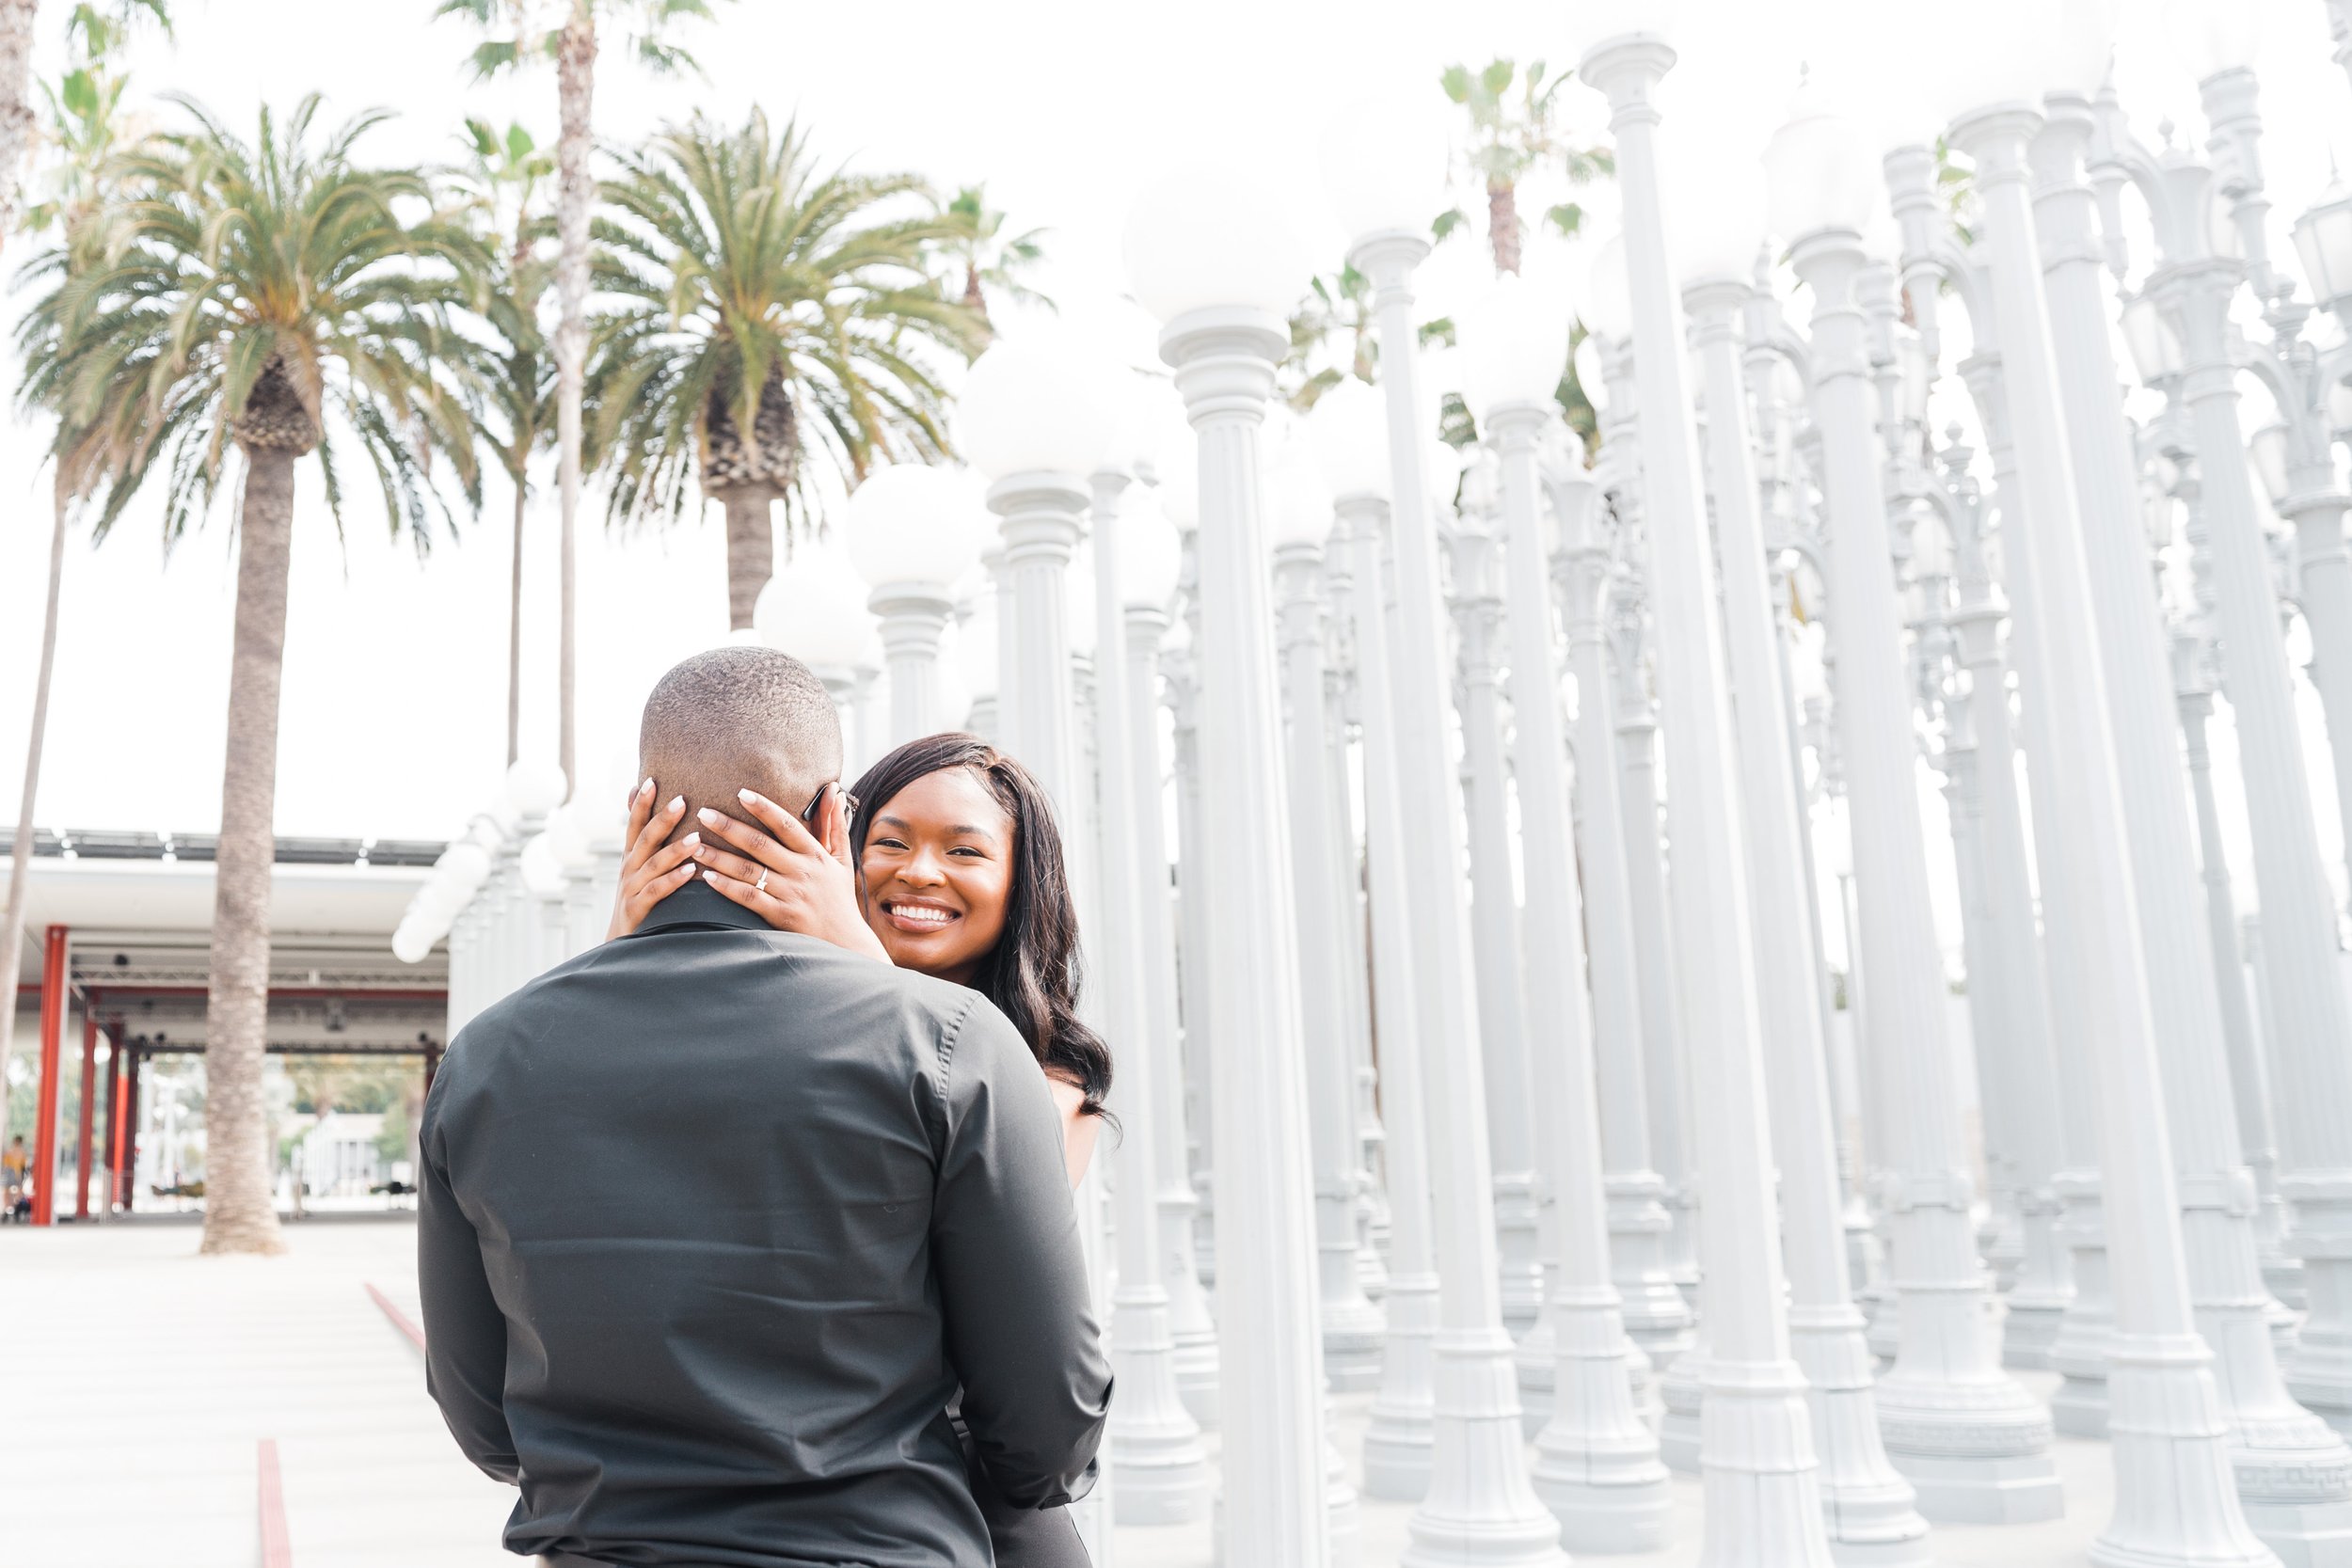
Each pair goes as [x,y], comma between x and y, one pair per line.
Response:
[239,1215]
[576,192]
[751,549]
[20,849]
[515,637]
[16,112]
[1502,225]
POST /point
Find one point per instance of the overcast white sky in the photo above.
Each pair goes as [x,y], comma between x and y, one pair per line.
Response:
[394,703]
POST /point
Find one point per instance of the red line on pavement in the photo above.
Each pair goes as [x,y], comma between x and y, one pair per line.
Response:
[277,1547]
[401,1320]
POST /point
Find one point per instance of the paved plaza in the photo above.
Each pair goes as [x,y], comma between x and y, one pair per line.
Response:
[141,1380]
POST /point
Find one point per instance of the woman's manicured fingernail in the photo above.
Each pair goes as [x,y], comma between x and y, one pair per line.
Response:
[708,815]
[751,797]
[693,842]
[644,791]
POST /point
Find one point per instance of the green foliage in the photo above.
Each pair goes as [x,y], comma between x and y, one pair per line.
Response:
[1331,337]
[985,258]
[504,189]
[739,272]
[284,264]
[524,31]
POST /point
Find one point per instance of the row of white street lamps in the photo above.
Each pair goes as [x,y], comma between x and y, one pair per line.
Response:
[1416,804]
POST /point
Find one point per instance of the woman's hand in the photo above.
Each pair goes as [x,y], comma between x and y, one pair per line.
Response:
[651,871]
[785,876]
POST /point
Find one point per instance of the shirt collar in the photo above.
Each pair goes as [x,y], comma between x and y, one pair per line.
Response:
[699,904]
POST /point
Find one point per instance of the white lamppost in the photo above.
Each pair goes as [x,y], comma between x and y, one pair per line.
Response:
[1386,180]
[1868,1507]
[1349,427]
[2280,1449]
[815,609]
[2310,1015]
[1597,1465]
[1755,1444]
[1211,254]
[1973,1442]
[1149,561]
[913,532]
[1299,523]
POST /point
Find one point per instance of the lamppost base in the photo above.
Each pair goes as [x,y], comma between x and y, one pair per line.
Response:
[1194,1360]
[1161,1480]
[1683,1393]
[1400,1441]
[1611,1516]
[2304,1535]
[1534,1358]
[1958,1491]
[2029,1332]
[1351,1347]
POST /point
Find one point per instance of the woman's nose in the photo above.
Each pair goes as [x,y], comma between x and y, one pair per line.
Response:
[923,866]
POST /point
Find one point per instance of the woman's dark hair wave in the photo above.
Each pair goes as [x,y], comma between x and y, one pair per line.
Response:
[1034,974]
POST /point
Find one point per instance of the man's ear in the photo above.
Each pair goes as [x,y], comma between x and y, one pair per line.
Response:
[833,822]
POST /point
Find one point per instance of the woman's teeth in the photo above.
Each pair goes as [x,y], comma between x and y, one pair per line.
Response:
[923,914]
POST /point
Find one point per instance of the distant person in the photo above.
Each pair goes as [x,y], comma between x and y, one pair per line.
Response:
[716,1219]
[959,875]
[13,1166]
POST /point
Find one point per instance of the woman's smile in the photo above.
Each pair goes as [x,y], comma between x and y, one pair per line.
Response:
[919,914]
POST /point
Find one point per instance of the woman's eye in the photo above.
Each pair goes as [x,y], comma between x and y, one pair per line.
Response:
[967,851]
[889,844]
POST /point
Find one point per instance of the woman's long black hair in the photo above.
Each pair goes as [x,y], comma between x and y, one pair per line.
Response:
[1034,973]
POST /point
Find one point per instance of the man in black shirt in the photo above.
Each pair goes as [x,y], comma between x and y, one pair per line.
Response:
[716,1219]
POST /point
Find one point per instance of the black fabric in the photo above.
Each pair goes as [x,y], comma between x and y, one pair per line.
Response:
[714,1221]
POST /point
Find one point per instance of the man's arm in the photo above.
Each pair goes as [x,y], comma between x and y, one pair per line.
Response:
[1012,1279]
[464,1333]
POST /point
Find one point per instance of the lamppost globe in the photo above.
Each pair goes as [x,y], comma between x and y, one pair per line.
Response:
[411,943]
[912,523]
[1043,401]
[1515,345]
[1608,307]
[2268,449]
[1819,175]
[1298,502]
[1718,230]
[534,786]
[1151,556]
[1590,375]
[466,865]
[1625,18]
[2323,241]
[2154,347]
[1349,433]
[1383,165]
[1152,425]
[815,609]
[2209,37]
[1213,235]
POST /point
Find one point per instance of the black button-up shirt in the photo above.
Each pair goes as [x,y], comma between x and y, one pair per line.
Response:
[714,1221]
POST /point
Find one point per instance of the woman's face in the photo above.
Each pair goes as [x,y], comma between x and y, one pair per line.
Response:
[937,871]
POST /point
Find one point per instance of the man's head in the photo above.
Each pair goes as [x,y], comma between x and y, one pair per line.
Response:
[739,717]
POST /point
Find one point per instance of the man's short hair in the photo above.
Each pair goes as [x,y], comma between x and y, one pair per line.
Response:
[739,717]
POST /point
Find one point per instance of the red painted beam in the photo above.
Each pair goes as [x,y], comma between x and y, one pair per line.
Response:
[276,1544]
[53,984]
[89,1104]
[401,1320]
[118,1096]
[130,1135]
[119,994]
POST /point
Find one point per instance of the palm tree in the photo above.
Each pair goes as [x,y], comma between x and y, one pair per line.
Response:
[764,309]
[266,297]
[88,128]
[94,33]
[565,32]
[990,260]
[506,177]
[1511,134]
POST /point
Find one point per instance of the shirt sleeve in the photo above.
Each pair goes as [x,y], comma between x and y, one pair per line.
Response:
[1012,1277]
[464,1333]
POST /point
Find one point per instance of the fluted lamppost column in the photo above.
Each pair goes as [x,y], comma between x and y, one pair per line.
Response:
[1400,1437]
[1650,1302]
[1479,1508]
[2293,1476]
[2175,1501]
[1867,1506]
[1185,244]
[1351,1325]
[1597,1464]
[1477,608]
[1755,1444]
[2311,1039]
[1974,1444]
[1156,1456]
[1147,567]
